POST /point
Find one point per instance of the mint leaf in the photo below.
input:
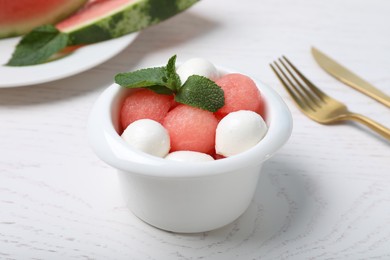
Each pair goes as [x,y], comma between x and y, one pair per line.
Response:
[158,79]
[201,92]
[174,82]
[143,78]
[38,46]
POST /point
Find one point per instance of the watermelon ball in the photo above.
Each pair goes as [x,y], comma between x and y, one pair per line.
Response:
[189,156]
[191,129]
[218,156]
[148,136]
[239,131]
[197,66]
[144,103]
[241,93]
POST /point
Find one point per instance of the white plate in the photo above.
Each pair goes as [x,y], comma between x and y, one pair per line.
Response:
[79,61]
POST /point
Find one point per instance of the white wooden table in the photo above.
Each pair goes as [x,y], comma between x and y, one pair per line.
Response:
[325,195]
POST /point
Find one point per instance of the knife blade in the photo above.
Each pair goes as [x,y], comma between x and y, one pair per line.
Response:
[348,77]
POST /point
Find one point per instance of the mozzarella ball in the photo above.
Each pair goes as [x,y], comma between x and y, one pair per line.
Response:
[189,156]
[197,66]
[148,136]
[239,131]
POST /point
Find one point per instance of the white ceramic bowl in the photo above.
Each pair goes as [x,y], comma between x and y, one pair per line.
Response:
[180,196]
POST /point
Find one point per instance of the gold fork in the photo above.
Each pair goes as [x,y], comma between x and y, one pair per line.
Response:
[316,104]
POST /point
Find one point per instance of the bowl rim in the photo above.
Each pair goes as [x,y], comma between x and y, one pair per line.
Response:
[110,147]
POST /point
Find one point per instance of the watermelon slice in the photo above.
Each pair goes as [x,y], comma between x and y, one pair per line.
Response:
[101,20]
[98,21]
[18,17]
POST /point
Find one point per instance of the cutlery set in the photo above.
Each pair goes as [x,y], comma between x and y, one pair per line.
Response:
[317,105]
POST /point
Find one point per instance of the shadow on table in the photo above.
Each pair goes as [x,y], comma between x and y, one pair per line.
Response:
[168,34]
[286,207]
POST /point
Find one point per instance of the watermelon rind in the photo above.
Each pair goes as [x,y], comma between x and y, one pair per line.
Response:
[125,17]
[129,18]
[17,28]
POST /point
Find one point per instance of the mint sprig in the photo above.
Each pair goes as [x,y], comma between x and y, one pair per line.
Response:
[38,46]
[197,91]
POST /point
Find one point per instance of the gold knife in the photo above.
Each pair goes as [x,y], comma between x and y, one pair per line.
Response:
[348,77]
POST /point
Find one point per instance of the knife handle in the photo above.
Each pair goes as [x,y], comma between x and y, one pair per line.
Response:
[380,129]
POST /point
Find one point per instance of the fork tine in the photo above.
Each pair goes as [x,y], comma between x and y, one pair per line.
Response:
[308,96]
[290,87]
[287,86]
[321,95]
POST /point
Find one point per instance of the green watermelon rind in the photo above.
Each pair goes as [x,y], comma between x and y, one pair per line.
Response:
[130,18]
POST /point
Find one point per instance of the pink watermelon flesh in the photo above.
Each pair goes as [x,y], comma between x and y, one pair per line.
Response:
[241,93]
[20,16]
[191,129]
[94,9]
[142,104]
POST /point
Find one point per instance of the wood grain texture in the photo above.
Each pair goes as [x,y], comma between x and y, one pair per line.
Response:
[324,195]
